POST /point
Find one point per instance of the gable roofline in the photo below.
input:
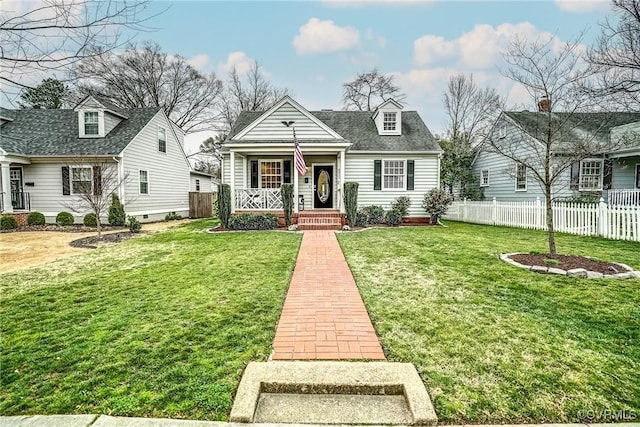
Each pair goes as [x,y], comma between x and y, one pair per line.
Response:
[108,108]
[287,99]
[384,104]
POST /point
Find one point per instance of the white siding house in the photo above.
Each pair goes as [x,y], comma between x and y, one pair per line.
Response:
[46,155]
[389,152]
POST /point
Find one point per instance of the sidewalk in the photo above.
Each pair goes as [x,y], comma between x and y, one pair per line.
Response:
[323,317]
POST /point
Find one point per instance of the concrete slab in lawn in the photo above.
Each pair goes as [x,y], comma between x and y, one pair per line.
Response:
[48,421]
[108,421]
[332,393]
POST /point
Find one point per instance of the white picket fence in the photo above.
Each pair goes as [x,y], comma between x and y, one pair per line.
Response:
[620,222]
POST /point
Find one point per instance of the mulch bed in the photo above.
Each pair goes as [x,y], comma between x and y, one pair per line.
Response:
[66,229]
[92,242]
[569,262]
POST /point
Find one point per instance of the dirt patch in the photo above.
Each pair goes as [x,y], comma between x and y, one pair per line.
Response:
[92,242]
[569,262]
[77,228]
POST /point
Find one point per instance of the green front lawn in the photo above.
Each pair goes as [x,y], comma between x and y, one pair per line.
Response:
[498,344]
[159,326]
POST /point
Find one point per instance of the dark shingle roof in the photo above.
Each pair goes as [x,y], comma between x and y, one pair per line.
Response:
[359,128]
[572,126]
[55,133]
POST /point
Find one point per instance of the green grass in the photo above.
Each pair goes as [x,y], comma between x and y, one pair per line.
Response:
[159,326]
[498,344]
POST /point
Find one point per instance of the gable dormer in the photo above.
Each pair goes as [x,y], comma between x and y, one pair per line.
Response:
[388,118]
[96,118]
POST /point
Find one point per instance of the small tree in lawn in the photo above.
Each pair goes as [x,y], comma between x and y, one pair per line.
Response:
[351,202]
[286,192]
[91,182]
[436,203]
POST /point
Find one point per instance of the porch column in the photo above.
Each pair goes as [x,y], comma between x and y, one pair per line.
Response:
[232,175]
[295,186]
[341,201]
[6,187]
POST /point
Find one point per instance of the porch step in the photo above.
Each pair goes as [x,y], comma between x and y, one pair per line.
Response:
[320,220]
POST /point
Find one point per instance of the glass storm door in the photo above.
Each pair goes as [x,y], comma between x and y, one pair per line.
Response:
[323,187]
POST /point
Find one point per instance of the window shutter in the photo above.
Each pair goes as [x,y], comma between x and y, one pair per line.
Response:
[607,175]
[377,174]
[410,173]
[97,180]
[286,173]
[575,176]
[254,174]
[66,187]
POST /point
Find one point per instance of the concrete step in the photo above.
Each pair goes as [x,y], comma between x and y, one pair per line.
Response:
[332,393]
[319,227]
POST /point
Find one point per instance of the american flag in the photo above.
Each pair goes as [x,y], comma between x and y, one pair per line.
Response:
[299,158]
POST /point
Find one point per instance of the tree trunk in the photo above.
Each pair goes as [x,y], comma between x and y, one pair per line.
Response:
[98,227]
[550,229]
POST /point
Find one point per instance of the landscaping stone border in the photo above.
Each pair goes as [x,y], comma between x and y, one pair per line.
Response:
[576,272]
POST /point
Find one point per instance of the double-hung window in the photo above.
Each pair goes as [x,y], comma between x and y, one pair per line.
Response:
[389,121]
[591,175]
[91,123]
[270,174]
[484,178]
[393,174]
[162,140]
[81,180]
[521,177]
[144,182]
[197,185]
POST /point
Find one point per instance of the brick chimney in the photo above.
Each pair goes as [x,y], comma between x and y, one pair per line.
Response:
[544,104]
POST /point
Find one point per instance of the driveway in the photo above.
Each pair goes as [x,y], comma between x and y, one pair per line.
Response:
[29,248]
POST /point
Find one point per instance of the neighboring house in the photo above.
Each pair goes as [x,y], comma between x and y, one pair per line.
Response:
[389,152]
[202,182]
[48,156]
[602,174]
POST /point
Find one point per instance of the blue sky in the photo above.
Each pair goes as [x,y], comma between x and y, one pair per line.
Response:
[313,47]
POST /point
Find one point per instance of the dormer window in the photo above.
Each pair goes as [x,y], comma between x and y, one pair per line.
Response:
[389,121]
[91,123]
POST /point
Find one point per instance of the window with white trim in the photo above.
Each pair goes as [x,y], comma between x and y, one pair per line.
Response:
[91,123]
[484,178]
[521,177]
[144,182]
[389,121]
[393,174]
[81,180]
[197,185]
[162,140]
[591,175]
[270,174]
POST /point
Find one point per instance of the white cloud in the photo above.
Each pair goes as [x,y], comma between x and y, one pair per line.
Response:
[318,36]
[479,48]
[200,62]
[583,6]
[237,59]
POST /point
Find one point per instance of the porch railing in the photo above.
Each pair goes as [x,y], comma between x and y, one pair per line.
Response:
[258,199]
[20,200]
[624,197]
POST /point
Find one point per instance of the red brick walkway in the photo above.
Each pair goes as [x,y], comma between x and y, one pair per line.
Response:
[323,315]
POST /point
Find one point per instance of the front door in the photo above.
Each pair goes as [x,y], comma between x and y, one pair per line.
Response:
[17,198]
[323,187]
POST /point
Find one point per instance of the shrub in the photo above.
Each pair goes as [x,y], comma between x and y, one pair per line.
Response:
[64,219]
[253,222]
[393,217]
[224,204]
[286,192]
[374,213]
[134,224]
[436,203]
[90,220]
[172,216]
[351,202]
[8,222]
[36,218]
[362,218]
[401,204]
[117,215]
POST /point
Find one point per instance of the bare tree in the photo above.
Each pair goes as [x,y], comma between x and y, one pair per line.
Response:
[92,180]
[148,77]
[56,34]
[551,75]
[615,57]
[369,90]
[471,110]
[250,92]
